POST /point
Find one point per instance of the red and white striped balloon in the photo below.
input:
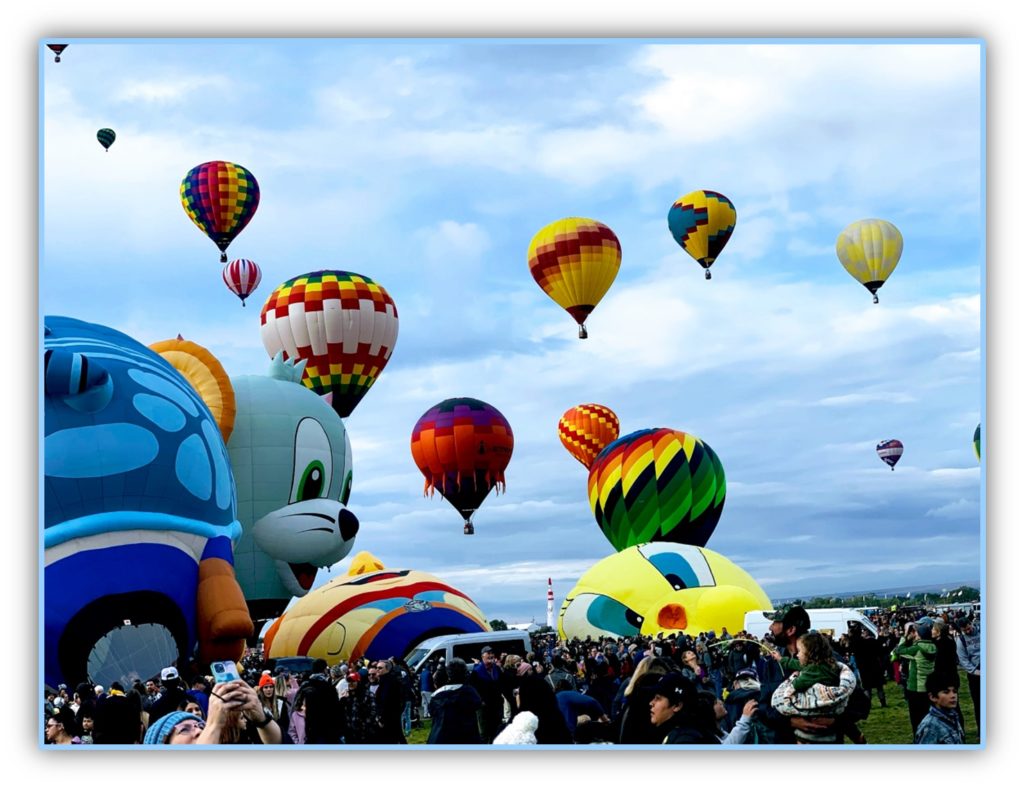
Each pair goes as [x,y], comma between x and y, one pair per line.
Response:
[242,277]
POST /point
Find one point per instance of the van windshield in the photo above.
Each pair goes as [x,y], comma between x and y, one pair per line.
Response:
[415,657]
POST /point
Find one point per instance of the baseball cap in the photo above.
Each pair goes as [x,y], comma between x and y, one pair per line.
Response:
[746,673]
[168,673]
[676,687]
[796,617]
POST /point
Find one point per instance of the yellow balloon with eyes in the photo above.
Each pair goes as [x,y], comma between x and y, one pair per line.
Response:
[660,587]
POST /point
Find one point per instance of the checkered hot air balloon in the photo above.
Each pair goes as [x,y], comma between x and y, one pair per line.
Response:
[242,277]
[106,138]
[575,261]
[586,429]
[869,250]
[657,485]
[702,223]
[344,325]
[56,49]
[890,452]
[462,447]
[220,198]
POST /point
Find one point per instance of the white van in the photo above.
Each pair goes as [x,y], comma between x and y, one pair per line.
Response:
[832,621]
[467,647]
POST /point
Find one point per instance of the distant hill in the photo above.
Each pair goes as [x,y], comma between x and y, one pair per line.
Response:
[927,588]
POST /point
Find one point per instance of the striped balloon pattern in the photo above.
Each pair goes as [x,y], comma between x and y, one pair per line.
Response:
[657,485]
[977,442]
[575,261]
[869,250]
[220,198]
[702,223]
[462,447]
[586,429]
[106,138]
[344,325]
[242,277]
[890,451]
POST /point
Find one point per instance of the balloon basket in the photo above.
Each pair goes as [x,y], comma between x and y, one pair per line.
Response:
[583,332]
[875,298]
[467,529]
[707,274]
[223,257]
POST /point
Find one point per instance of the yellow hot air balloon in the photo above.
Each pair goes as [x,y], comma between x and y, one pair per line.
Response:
[575,261]
[869,250]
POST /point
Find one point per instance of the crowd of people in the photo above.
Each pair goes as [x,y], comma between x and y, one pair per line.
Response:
[794,686]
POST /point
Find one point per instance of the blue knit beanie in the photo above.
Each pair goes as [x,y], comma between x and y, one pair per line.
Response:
[160,731]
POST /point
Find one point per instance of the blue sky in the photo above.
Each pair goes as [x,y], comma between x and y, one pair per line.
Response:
[429,167]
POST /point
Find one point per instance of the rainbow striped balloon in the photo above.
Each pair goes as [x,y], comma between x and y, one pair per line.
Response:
[657,485]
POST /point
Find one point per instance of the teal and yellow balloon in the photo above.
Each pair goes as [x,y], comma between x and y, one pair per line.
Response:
[657,485]
[702,223]
[660,587]
[869,250]
[977,442]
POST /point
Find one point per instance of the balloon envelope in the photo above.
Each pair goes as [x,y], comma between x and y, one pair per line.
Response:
[977,442]
[462,447]
[56,49]
[890,452]
[242,277]
[702,223]
[106,138]
[585,430]
[344,325]
[869,250]
[660,587]
[657,485]
[575,261]
[220,198]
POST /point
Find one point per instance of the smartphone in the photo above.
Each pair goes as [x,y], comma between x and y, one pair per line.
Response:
[224,671]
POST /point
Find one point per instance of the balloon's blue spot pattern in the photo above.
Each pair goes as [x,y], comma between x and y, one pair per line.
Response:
[221,465]
[98,451]
[163,413]
[192,466]
[166,388]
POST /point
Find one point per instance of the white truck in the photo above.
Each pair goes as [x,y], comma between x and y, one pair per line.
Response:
[832,621]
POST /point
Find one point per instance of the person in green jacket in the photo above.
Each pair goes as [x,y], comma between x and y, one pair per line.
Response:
[917,646]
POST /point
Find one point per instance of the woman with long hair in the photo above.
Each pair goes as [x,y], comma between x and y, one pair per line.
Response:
[535,696]
[633,723]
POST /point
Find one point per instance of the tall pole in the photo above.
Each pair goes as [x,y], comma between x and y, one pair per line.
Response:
[551,606]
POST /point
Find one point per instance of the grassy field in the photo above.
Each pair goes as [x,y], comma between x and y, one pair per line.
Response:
[890,725]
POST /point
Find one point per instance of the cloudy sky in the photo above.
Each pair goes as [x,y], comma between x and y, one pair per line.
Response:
[428,166]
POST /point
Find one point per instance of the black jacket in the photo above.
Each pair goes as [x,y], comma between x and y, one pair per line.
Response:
[453,715]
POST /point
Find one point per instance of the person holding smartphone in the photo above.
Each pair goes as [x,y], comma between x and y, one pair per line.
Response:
[236,716]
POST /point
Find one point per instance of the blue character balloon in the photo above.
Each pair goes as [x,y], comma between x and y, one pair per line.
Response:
[139,514]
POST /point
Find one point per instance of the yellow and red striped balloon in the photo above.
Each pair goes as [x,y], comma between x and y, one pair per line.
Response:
[575,261]
[586,429]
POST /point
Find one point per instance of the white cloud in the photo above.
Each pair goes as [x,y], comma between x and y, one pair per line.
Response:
[168,90]
[893,397]
[955,509]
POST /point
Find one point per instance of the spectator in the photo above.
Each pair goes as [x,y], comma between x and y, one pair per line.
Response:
[941,725]
[486,680]
[536,696]
[676,715]
[390,700]
[178,727]
[573,704]
[968,653]
[917,646]
[454,709]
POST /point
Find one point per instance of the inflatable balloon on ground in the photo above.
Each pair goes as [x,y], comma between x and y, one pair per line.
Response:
[220,198]
[702,223]
[292,463]
[660,588]
[657,485]
[343,325]
[977,442]
[462,447]
[106,138]
[372,612]
[139,514]
[890,452]
[242,277]
[575,262]
[585,430]
[206,375]
[869,250]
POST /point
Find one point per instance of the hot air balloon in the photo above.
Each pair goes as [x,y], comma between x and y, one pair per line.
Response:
[56,49]
[344,325]
[242,277]
[702,223]
[977,442]
[220,198]
[106,138]
[890,451]
[869,250]
[586,429]
[657,485]
[575,262]
[462,446]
